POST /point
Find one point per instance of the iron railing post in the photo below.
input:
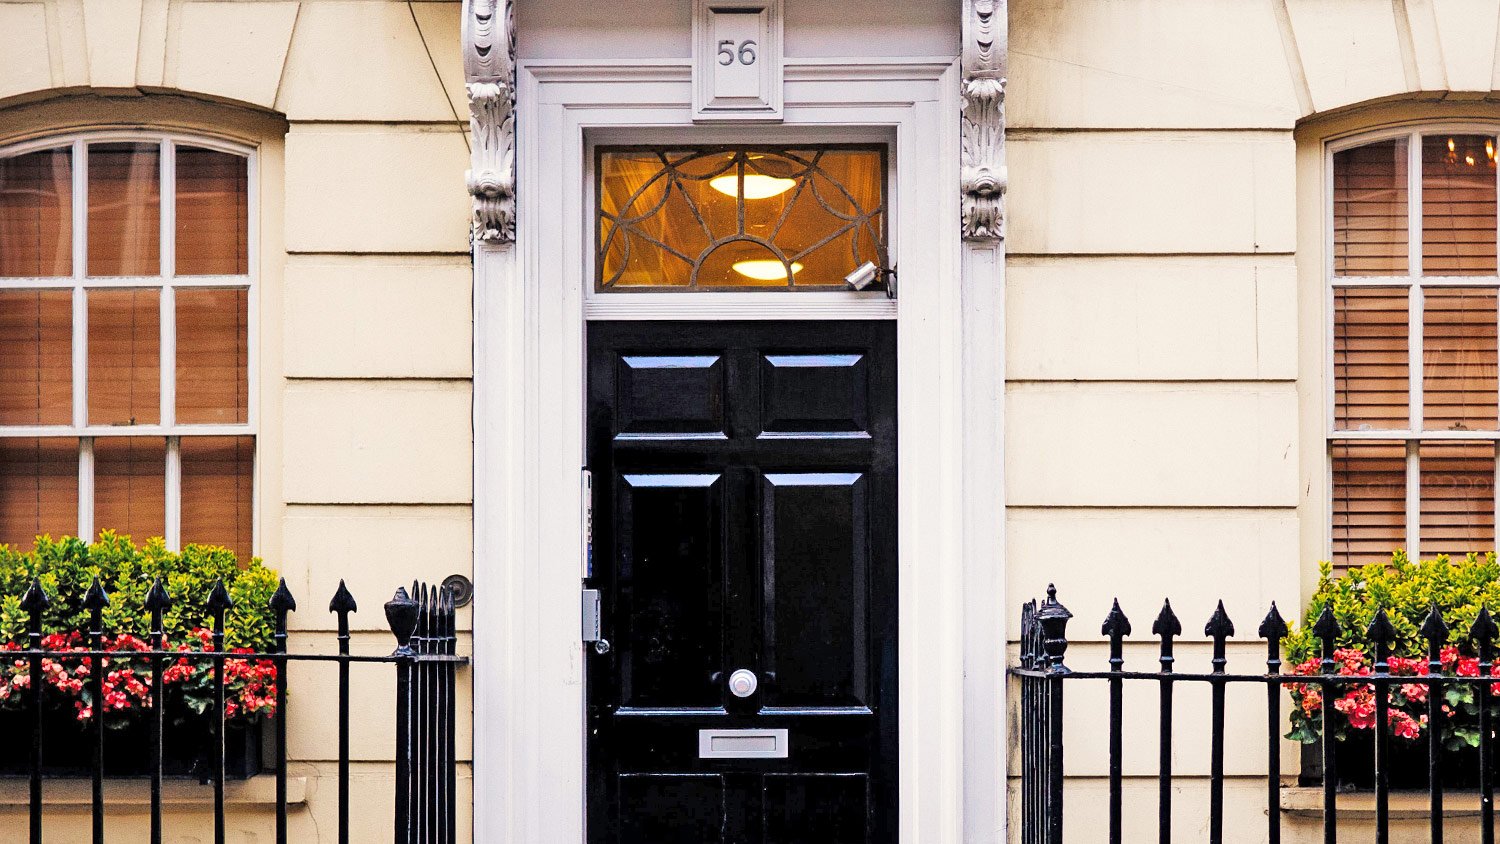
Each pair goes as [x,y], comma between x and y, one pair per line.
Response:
[1219,628]
[1327,630]
[1273,629]
[1053,617]
[1166,626]
[342,605]
[33,603]
[281,604]
[157,603]
[219,604]
[1116,626]
[1483,633]
[401,614]
[1435,630]
[95,600]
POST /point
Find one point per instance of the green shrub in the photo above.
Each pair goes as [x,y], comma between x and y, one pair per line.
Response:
[67,567]
[1407,591]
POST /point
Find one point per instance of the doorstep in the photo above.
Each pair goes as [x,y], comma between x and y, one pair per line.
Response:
[76,792]
[1303,802]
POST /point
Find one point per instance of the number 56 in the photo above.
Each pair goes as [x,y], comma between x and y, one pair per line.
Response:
[728,52]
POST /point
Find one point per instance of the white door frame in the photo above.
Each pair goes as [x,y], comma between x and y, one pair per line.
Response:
[529,702]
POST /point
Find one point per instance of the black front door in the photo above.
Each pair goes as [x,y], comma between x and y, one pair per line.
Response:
[745,545]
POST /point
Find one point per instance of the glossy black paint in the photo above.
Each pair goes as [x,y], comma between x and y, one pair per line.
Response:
[744,517]
[1042,675]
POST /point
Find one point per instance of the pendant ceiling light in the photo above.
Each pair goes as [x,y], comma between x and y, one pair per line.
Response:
[757,186]
[764,269]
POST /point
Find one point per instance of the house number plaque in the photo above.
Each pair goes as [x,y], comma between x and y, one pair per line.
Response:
[737,60]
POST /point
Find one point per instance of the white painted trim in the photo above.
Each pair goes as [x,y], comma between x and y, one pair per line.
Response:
[529,442]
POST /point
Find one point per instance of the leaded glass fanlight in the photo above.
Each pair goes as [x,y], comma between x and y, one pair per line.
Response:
[739,217]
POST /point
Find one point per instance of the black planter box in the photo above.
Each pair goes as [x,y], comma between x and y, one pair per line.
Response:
[1407,765]
[187,747]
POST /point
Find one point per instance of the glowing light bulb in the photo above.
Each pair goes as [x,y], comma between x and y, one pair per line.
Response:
[1469,160]
[757,186]
[1451,146]
[764,269]
[1489,148]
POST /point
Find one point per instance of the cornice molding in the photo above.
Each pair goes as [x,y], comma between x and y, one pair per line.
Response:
[489,48]
[983,175]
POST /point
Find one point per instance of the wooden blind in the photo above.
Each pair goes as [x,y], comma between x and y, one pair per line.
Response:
[130,489]
[1369,500]
[1370,359]
[124,381]
[36,214]
[213,329]
[213,213]
[124,185]
[217,476]
[1458,498]
[1459,386]
[1458,205]
[38,489]
[36,357]
[1370,210]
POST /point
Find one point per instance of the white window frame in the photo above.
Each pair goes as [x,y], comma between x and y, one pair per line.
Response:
[1415,284]
[168,283]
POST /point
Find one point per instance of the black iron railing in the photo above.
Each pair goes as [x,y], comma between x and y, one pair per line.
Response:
[425,661]
[1043,677]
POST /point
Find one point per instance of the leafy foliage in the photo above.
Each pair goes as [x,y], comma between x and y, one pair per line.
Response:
[66,567]
[1408,591]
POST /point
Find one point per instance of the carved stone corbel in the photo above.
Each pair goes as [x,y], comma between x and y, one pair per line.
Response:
[490,79]
[983,173]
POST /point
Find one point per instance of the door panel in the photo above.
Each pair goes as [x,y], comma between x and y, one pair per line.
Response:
[670,576]
[814,540]
[744,518]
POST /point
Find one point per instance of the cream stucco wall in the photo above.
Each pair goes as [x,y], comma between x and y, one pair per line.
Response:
[364,447]
[1165,329]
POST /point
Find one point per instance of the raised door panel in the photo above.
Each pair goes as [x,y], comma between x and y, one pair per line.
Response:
[669,585]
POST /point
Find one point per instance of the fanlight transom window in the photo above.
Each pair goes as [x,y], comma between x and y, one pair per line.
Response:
[739,217]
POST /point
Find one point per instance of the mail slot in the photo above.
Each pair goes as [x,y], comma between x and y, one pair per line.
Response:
[742,744]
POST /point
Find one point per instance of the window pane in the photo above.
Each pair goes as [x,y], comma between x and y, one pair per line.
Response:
[1458,205]
[739,218]
[36,357]
[216,492]
[1370,362]
[130,489]
[1459,385]
[36,214]
[1369,501]
[1369,210]
[212,354]
[124,357]
[1458,498]
[124,209]
[213,213]
[38,489]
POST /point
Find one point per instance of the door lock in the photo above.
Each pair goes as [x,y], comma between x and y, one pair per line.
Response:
[743,683]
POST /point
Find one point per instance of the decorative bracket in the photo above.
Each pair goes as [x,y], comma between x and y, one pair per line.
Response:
[489,45]
[983,175]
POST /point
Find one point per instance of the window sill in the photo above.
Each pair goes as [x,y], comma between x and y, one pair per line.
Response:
[74,792]
[1304,802]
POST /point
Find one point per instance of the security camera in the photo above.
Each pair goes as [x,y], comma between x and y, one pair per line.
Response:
[863,276]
